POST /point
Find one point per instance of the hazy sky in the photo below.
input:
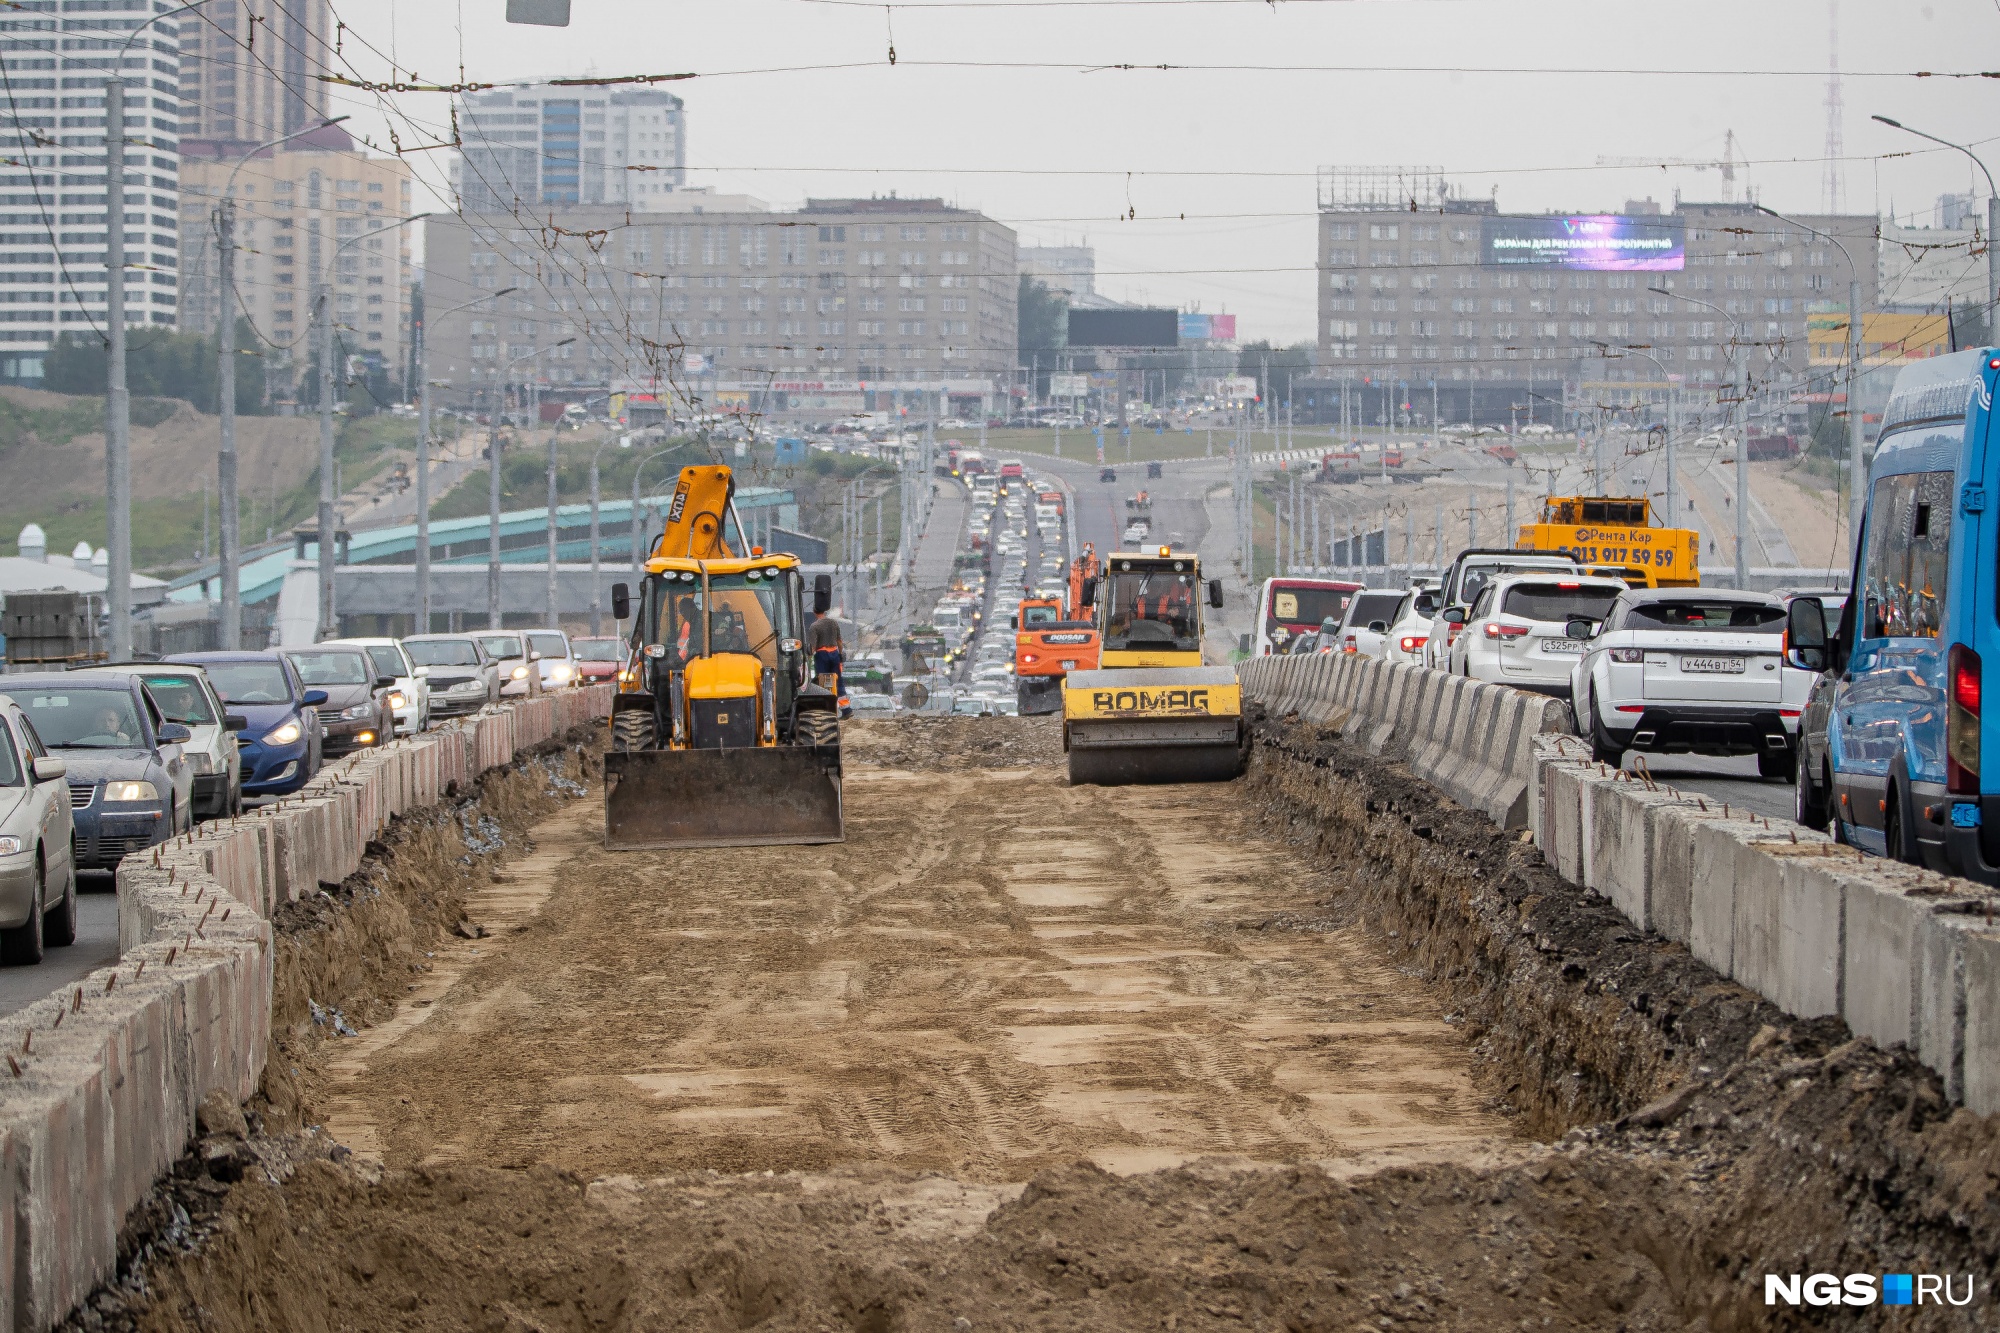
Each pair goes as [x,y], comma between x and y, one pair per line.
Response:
[1220,163]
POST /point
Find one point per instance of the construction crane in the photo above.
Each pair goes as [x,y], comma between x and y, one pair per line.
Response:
[1727,165]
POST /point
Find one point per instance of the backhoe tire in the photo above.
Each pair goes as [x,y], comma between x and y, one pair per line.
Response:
[819,728]
[632,730]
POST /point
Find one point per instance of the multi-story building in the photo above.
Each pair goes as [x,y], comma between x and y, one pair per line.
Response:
[247,69]
[538,144]
[304,215]
[52,198]
[1926,270]
[1070,269]
[865,294]
[1418,286]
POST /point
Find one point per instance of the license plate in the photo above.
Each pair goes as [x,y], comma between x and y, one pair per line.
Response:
[1069,666]
[1562,645]
[1715,666]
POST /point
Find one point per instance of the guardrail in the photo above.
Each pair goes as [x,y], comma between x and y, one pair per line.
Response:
[1901,954]
[102,1080]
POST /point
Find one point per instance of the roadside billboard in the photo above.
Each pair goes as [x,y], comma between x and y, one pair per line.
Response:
[1208,328]
[1599,242]
[1068,386]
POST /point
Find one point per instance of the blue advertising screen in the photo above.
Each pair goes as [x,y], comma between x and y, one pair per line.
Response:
[1600,242]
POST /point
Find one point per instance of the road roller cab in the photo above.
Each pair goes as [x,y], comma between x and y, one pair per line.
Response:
[1152,712]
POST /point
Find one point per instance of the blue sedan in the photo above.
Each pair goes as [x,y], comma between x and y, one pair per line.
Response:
[280,750]
[130,785]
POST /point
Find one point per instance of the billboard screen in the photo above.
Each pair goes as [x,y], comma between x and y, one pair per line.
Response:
[1124,328]
[1208,328]
[1603,242]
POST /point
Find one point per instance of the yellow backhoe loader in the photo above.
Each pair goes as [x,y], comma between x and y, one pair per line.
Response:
[1152,712]
[719,737]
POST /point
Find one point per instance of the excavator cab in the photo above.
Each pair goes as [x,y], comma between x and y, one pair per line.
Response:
[719,736]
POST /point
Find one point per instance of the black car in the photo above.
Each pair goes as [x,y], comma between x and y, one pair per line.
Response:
[356,713]
[1107,474]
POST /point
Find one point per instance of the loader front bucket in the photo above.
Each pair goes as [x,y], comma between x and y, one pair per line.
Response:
[721,798]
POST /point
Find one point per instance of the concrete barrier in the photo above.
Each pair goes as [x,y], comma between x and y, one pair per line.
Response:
[1902,955]
[101,1080]
[1473,741]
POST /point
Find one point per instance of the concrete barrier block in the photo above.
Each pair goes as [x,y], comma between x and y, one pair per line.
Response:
[1711,934]
[1883,957]
[1787,923]
[1939,988]
[1979,955]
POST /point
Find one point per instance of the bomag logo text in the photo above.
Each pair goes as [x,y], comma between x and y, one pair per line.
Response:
[1149,701]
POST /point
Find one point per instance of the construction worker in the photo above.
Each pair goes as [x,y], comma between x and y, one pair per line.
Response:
[823,641]
[686,644]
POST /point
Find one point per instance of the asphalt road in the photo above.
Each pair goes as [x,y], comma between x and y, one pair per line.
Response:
[96,946]
[1733,781]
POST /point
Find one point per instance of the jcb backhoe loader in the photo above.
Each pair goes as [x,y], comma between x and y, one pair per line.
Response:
[719,737]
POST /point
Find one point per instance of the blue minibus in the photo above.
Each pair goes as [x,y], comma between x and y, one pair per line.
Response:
[1891,754]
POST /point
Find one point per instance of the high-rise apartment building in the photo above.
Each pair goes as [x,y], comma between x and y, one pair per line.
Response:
[303,216]
[878,292]
[539,145]
[52,198]
[1417,285]
[246,69]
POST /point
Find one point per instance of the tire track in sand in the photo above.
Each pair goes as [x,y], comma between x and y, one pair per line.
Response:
[995,973]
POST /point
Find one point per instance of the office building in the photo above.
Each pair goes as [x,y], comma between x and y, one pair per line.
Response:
[538,145]
[844,292]
[247,69]
[305,214]
[52,223]
[1418,284]
[1069,269]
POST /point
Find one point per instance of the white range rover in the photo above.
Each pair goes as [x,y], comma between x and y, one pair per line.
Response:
[1690,671]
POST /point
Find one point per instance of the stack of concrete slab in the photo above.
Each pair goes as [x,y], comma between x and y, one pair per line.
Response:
[1473,741]
[101,1080]
[1903,955]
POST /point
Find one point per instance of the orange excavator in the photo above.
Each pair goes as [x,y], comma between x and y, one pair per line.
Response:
[1050,642]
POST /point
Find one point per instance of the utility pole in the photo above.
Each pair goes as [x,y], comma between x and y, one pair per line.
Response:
[328,539]
[118,398]
[596,598]
[493,522]
[555,621]
[423,476]
[1742,378]
[231,629]
[1471,518]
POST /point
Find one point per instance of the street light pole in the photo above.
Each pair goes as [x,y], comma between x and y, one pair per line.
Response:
[1857,471]
[1742,415]
[1992,213]
[638,528]
[329,622]
[422,333]
[231,627]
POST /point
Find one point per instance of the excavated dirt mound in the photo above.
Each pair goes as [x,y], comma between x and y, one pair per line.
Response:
[1018,1055]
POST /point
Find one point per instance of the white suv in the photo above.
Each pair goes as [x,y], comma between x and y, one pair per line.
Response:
[1690,670]
[1468,576]
[1516,631]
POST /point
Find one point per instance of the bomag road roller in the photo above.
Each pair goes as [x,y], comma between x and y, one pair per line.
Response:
[719,735]
[1152,712]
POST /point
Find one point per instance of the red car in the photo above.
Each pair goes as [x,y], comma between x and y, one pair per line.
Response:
[599,660]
